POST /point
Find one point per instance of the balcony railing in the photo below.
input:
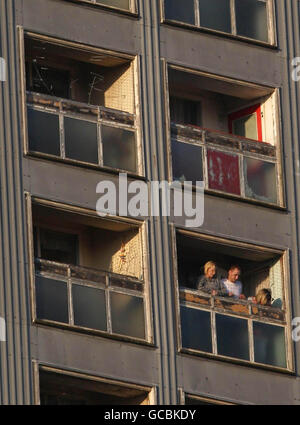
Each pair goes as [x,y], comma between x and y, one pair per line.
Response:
[87,298]
[227,163]
[232,328]
[81,133]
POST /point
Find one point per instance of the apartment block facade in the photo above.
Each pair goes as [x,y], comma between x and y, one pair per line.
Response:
[106,309]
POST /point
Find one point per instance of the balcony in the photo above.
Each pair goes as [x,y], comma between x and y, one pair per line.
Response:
[225,327]
[88,272]
[80,105]
[89,299]
[227,163]
[224,132]
[80,133]
[233,329]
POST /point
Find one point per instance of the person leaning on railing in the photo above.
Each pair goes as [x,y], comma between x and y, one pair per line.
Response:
[209,283]
[232,284]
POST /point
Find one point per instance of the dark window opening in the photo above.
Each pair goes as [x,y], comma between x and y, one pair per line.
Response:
[60,389]
[185,111]
[220,105]
[258,269]
[80,75]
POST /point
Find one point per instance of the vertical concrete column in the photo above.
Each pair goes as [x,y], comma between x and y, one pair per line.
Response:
[15,370]
[156,169]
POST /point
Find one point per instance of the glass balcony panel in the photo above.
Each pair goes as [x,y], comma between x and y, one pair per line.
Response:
[196,329]
[223,172]
[251,19]
[120,4]
[179,10]
[215,14]
[119,150]
[89,307]
[187,162]
[260,180]
[51,299]
[269,344]
[127,314]
[81,140]
[246,127]
[43,132]
[232,337]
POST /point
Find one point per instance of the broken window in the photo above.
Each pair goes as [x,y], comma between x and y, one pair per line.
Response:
[80,105]
[224,132]
[58,388]
[246,18]
[234,328]
[88,272]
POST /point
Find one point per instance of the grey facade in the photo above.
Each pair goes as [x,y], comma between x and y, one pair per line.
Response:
[33,185]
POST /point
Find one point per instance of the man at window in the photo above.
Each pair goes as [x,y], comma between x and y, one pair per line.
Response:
[234,287]
[209,282]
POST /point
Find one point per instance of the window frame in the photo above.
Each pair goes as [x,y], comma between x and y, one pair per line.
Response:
[183,395]
[144,294]
[245,112]
[276,158]
[39,366]
[270,8]
[104,120]
[289,346]
[133,10]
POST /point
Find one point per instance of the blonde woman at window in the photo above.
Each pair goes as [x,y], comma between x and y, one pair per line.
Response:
[263,297]
[209,283]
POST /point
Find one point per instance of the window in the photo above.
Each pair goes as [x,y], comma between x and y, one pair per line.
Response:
[67,388]
[88,272]
[80,105]
[215,125]
[225,326]
[243,18]
[246,123]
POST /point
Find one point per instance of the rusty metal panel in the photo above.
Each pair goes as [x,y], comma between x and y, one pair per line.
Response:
[223,172]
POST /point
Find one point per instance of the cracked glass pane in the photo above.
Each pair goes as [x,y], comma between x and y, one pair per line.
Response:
[260,180]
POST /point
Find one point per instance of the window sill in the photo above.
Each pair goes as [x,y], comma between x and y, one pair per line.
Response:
[92,332]
[190,352]
[69,162]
